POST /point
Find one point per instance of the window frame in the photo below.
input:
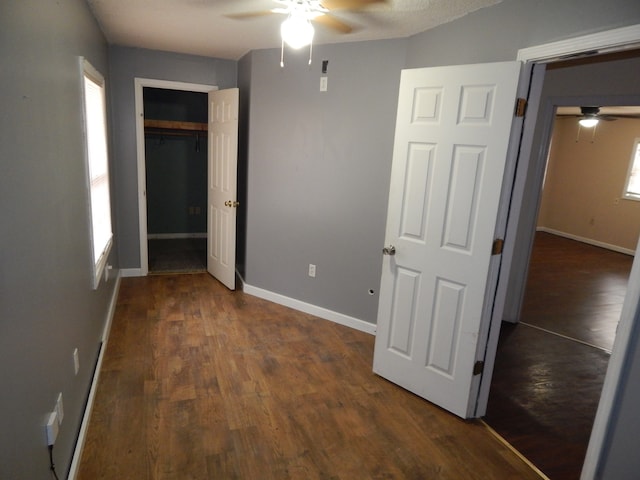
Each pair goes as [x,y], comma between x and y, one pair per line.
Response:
[99,203]
[634,164]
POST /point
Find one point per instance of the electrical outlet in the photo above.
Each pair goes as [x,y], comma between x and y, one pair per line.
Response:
[51,428]
[312,270]
[76,361]
[323,84]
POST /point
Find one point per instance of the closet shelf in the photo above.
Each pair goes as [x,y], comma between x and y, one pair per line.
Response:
[175,127]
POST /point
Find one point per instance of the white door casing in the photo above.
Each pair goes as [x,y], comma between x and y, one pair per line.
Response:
[450,149]
[139,85]
[222,185]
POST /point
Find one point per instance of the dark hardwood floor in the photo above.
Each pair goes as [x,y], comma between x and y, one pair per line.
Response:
[177,255]
[576,289]
[550,368]
[202,383]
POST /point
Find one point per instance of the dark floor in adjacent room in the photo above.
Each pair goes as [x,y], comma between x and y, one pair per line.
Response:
[550,368]
[177,255]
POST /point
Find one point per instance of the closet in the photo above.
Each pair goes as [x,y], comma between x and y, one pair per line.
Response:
[175,127]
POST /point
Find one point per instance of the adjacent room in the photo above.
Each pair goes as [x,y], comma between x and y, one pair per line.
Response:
[550,366]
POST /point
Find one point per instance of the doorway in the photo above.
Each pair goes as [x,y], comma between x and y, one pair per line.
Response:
[551,365]
[176,172]
[196,142]
[565,86]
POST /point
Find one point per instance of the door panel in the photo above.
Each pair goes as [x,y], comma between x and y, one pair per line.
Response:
[452,133]
[222,192]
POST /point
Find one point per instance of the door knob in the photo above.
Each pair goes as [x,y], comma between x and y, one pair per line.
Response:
[229,203]
[390,250]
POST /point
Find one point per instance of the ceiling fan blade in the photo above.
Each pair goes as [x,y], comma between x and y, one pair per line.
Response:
[333,23]
[247,15]
[348,4]
[614,116]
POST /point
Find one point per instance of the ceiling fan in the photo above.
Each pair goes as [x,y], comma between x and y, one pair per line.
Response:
[590,116]
[296,29]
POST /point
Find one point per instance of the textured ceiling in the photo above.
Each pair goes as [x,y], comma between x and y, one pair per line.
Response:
[200,27]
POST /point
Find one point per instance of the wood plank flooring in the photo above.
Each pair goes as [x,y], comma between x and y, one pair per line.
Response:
[546,388]
[177,255]
[576,289]
[202,383]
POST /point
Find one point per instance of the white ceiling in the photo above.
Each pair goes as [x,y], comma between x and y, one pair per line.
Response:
[200,27]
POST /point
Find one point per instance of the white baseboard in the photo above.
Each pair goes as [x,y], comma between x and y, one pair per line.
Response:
[169,236]
[324,313]
[77,453]
[130,272]
[590,241]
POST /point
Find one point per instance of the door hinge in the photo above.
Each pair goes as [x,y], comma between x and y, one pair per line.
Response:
[521,107]
[478,367]
[496,248]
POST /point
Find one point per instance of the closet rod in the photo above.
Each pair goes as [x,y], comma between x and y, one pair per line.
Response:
[173,133]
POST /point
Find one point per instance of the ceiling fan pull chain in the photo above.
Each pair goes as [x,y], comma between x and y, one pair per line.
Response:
[282,55]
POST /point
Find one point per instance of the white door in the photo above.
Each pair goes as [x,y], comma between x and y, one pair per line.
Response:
[222,188]
[450,148]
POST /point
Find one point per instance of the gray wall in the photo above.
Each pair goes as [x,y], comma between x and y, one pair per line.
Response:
[47,305]
[176,184]
[125,65]
[244,84]
[497,33]
[318,172]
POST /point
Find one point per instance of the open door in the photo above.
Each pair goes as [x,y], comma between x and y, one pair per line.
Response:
[222,188]
[452,135]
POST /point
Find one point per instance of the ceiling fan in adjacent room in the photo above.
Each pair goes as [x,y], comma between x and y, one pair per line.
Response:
[297,30]
[589,116]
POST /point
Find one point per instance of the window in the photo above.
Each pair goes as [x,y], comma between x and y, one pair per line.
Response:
[95,129]
[632,187]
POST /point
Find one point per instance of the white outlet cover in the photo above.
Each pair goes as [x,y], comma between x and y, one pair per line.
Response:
[51,428]
[76,361]
[60,409]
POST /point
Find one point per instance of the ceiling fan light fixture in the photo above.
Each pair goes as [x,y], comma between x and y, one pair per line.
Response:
[297,31]
[588,122]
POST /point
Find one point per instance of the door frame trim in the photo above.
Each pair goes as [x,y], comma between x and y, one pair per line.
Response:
[604,42]
[139,85]
[608,41]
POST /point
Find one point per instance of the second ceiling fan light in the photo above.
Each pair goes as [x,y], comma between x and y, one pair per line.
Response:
[590,117]
[588,122]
